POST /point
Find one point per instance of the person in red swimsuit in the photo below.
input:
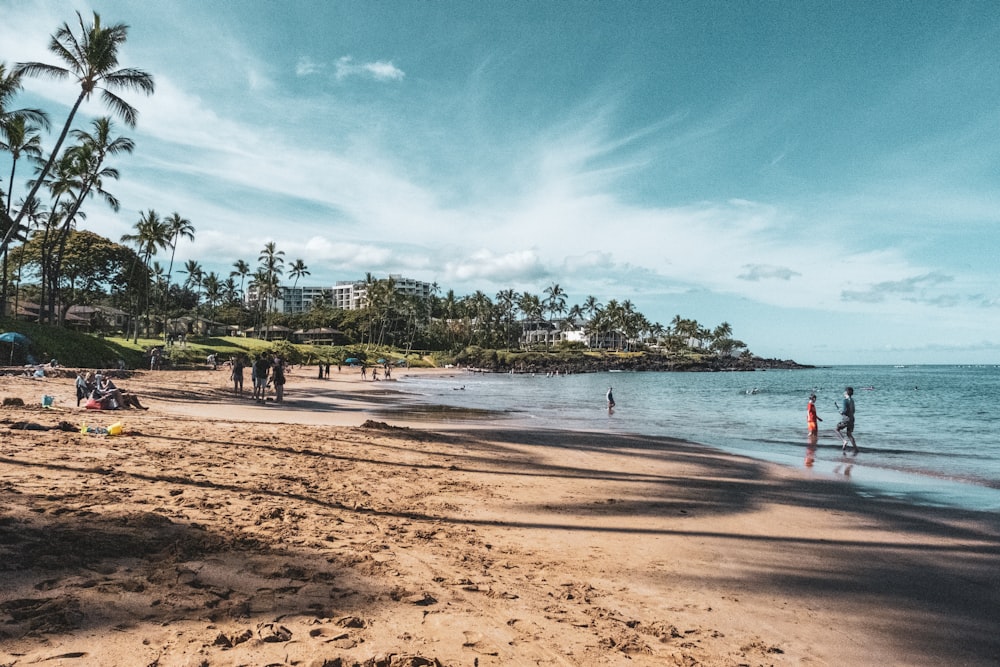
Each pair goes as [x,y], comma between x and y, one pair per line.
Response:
[811,416]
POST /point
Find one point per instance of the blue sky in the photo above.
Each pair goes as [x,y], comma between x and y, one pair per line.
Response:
[822,175]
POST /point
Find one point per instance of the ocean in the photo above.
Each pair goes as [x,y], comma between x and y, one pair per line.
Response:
[926,434]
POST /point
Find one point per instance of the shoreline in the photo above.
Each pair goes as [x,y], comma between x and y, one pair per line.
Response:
[208,535]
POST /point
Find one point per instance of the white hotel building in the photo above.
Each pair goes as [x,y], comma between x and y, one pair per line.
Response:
[345,295]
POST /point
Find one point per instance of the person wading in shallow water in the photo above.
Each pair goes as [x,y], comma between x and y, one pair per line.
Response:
[846,425]
[811,416]
[611,400]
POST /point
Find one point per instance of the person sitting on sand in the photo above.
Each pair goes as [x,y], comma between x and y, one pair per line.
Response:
[106,389]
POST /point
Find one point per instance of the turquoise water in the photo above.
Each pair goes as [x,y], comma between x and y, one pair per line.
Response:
[926,433]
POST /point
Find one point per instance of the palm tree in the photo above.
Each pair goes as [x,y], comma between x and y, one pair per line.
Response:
[195,275]
[591,305]
[297,270]
[37,214]
[213,291]
[89,155]
[241,269]
[18,136]
[230,294]
[179,228]
[151,234]
[555,300]
[272,260]
[10,85]
[92,59]
[507,305]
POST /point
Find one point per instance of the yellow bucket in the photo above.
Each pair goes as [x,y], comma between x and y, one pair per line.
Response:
[116,428]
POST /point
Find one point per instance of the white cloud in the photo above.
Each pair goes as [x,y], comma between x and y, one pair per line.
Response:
[380,70]
[307,66]
[518,266]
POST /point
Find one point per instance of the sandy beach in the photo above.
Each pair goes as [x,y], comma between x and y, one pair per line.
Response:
[218,531]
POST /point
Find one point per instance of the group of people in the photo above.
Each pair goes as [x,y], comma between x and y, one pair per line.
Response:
[844,428]
[101,393]
[386,372]
[265,371]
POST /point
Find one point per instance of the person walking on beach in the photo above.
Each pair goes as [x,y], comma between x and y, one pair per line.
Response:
[278,379]
[846,425]
[611,400]
[261,367]
[237,374]
[811,416]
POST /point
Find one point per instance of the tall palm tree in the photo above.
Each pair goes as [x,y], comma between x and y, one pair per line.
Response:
[151,234]
[213,291]
[297,270]
[555,300]
[90,154]
[195,275]
[37,214]
[241,269]
[19,137]
[272,261]
[63,183]
[230,294]
[179,228]
[10,85]
[507,304]
[92,60]
[591,305]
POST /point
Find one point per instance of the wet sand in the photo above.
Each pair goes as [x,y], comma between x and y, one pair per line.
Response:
[217,531]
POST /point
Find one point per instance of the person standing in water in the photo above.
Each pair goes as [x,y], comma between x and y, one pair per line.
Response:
[611,400]
[811,417]
[846,425]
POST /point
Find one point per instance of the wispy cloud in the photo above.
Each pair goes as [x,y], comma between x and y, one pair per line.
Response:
[380,70]
[756,272]
[916,289]
[307,66]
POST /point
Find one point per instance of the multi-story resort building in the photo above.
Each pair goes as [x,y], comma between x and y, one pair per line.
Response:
[345,295]
[353,294]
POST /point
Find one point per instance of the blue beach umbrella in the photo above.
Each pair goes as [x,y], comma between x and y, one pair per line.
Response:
[380,361]
[351,360]
[13,338]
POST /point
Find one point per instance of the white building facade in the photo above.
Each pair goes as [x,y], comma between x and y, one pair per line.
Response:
[345,295]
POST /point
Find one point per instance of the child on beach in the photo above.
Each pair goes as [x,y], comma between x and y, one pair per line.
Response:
[811,416]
